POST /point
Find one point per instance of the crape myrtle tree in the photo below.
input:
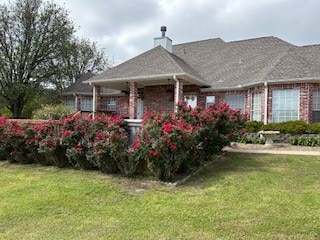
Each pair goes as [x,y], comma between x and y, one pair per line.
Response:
[37,47]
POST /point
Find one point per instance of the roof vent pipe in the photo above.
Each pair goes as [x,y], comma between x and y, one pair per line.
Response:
[163,30]
[163,41]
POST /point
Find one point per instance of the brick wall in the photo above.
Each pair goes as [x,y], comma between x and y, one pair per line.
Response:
[159,99]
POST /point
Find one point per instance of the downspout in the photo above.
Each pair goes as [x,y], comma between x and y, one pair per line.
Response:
[177,93]
[266,92]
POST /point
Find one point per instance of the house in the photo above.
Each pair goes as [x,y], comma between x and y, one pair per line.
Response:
[267,78]
[79,95]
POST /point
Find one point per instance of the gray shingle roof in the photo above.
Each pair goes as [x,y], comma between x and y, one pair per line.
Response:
[156,61]
[78,86]
[224,64]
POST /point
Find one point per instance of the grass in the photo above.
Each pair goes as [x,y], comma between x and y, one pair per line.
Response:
[240,196]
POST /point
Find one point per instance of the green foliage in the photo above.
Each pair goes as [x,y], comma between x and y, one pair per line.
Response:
[40,98]
[253,126]
[314,128]
[250,139]
[289,127]
[305,141]
[4,111]
[33,35]
[53,112]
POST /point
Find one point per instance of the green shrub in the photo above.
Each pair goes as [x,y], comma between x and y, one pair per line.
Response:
[289,127]
[314,128]
[294,127]
[305,141]
[272,127]
[247,139]
[253,126]
[53,112]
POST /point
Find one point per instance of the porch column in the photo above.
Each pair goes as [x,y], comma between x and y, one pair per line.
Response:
[76,102]
[178,93]
[96,100]
[266,92]
[133,98]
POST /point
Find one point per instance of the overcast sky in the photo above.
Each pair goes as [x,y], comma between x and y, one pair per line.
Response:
[126,28]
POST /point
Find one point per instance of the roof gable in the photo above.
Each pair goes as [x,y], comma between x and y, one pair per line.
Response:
[294,64]
[156,61]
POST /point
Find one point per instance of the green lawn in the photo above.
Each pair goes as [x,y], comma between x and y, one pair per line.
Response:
[241,196]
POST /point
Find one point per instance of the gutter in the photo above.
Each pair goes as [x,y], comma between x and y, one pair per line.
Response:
[274,81]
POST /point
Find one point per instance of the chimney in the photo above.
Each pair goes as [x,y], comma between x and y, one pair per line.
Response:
[163,41]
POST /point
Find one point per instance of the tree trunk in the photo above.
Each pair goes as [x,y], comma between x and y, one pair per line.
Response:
[16,108]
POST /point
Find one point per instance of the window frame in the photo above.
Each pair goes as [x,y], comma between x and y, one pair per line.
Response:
[193,103]
[315,106]
[67,103]
[280,104]
[210,103]
[256,107]
[114,106]
[241,96]
[86,104]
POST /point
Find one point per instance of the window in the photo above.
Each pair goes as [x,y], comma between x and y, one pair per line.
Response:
[285,105]
[236,101]
[210,100]
[255,107]
[190,100]
[70,102]
[86,104]
[316,106]
[111,105]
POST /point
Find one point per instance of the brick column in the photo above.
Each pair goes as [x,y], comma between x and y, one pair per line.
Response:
[133,98]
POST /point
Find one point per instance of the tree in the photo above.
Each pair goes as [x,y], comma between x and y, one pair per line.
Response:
[82,56]
[33,34]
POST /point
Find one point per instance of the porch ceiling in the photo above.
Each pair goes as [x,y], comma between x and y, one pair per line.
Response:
[143,81]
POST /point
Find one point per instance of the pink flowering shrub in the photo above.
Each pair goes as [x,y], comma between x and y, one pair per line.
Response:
[107,145]
[50,145]
[171,143]
[75,136]
[3,137]
[167,144]
[14,143]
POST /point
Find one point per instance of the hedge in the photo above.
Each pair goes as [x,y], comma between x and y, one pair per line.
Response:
[168,143]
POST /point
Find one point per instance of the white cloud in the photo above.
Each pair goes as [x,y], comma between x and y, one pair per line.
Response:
[127,28]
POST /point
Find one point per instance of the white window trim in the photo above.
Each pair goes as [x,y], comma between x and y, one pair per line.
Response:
[212,103]
[299,92]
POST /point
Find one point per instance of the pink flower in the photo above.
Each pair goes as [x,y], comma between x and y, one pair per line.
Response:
[167,127]
[173,147]
[65,133]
